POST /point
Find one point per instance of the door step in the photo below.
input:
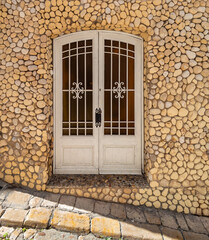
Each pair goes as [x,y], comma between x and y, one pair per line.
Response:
[112,188]
[93,181]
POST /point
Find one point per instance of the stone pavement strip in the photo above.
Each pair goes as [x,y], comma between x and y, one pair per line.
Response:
[46,216]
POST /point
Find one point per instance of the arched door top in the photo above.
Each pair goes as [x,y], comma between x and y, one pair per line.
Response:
[99,31]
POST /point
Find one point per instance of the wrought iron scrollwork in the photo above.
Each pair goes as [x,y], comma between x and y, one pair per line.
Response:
[77,90]
[119,90]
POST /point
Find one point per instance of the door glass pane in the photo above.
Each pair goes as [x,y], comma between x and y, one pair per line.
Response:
[73,70]
[81,43]
[65,107]
[65,112]
[78,98]
[81,107]
[131,106]
[123,115]
[73,108]
[89,71]
[131,47]
[115,108]
[115,65]
[131,112]
[107,73]
[73,45]
[65,47]
[65,131]
[115,43]
[81,67]
[107,106]
[89,102]
[89,42]
[119,88]
[130,73]
[65,72]
[89,113]
[123,71]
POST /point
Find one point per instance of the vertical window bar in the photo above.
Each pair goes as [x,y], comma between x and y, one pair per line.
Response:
[69,89]
[85,87]
[127,89]
[77,99]
[111,88]
[118,85]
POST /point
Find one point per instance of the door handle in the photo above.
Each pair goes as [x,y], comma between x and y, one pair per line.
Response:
[98,117]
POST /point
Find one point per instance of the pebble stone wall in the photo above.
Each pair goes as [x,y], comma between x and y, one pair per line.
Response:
[176,91]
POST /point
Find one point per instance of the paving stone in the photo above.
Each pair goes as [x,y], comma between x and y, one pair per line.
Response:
[152,216]
[4,193]
[29,233]
[38,217]
[66,202]
[1,210]
[142,231]
[13,217]
[118,210]
[69,221]
[84,204]
[105,227]
[17,199]
[88,237]
[171,234]
[53,234]
[4,230]
[40,194]
[181,221]
[49,204]
[14,235]
[102,208]
[135,214]
[52,197]
[51,200]
[205,222]
[195,224]
[20,237]
[35,202]
[194,236]
[168,220]
[67,208]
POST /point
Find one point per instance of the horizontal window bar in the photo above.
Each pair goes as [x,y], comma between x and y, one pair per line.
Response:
[119,121]
[119,128]
[118,54]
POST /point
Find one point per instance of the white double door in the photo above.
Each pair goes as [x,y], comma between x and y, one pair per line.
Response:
[98,103]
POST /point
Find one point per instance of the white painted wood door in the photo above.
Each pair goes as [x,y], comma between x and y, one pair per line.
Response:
[98,69]
[76,98]
[121,99]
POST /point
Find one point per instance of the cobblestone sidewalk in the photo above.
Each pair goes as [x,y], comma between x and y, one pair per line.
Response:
[47,216]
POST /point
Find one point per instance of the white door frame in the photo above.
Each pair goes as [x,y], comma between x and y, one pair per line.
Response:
[98,86]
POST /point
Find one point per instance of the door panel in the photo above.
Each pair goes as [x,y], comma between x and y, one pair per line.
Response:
[120,80]
[118,154]
[76,97]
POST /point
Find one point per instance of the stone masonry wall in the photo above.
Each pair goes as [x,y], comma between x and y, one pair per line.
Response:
[176,89]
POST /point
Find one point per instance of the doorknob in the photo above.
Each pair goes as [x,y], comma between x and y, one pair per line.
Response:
[98,117]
